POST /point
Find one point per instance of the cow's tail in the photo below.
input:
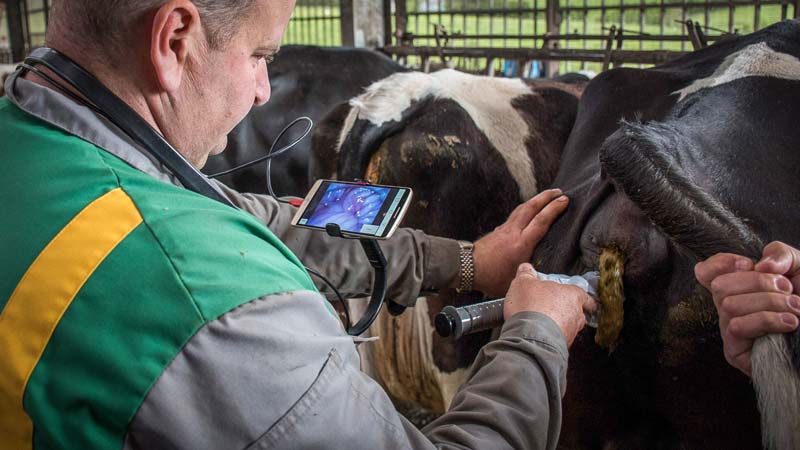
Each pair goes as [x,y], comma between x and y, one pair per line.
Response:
[642,160]
[775,376]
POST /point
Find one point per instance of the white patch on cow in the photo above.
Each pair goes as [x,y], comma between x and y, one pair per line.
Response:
[778,388]
[757,60]
[487,100]
[347,125]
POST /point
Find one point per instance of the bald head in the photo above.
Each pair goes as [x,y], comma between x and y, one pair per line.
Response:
[109,26]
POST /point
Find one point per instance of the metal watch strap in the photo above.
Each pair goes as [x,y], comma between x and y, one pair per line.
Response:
[466,268]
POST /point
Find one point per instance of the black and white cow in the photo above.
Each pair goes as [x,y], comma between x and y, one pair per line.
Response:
[471,148]
[670,165]
[667,165]
[305,81]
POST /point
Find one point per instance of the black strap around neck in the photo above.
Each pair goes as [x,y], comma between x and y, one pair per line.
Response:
[126,119]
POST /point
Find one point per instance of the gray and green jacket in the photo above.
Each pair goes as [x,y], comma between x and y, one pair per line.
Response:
[136,314]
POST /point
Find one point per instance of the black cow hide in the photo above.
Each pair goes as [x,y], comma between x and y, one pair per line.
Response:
[671,165]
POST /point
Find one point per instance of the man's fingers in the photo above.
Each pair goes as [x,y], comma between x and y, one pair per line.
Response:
[746,304]
[720,264]
[526,269]
[535,230]
[759,324]
[525,212]
[731,284]
[780,258]
[589,304]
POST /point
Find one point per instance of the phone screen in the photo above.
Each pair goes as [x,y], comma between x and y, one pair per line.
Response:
[369,210]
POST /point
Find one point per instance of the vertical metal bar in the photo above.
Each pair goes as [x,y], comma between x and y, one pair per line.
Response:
[683,30]
[505,27]
[757,15]
[706,18]
[317,36]
[401,18]
[304,23]
[796,9]
[641,24]
[491,22]
[602,14]
[452,15]
[347,23]
[26,24]
[568,42]
[553,24]
[477,29]
[330,22]
[731,9]
[662,24]
[585,29]
[387,22]
[15,34]
[520,20]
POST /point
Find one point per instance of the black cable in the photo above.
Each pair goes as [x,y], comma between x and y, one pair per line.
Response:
[336,291]
[61,88]
[270,154]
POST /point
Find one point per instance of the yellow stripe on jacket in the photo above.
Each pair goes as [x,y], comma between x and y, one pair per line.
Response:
[43,295]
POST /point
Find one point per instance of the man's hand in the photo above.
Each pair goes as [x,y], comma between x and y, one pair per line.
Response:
[781,259]
[752,300]
[562,303]
[499,253]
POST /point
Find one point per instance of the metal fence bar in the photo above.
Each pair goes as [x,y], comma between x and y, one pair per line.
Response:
[516,54]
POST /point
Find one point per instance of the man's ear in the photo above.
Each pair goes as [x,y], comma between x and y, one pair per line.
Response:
[176,28]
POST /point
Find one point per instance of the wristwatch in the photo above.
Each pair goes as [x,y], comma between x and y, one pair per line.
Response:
[466,269]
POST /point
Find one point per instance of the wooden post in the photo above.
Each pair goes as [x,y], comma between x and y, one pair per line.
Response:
[553,18]
[387,22]
[347,23]
[16,36]
[401,18]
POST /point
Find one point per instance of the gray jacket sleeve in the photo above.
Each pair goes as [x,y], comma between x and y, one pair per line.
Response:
[279,373]
[417,262]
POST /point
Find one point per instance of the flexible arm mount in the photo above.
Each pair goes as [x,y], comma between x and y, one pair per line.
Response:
[378,263]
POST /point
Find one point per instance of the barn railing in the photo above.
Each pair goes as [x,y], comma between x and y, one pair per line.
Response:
[537,37]
[315,22]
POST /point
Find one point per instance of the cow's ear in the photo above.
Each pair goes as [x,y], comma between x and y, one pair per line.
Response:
[176,33]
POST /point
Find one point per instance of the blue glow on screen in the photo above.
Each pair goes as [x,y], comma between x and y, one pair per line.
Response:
[349,206]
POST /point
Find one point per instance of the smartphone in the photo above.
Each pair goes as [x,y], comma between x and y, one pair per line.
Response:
[366,210]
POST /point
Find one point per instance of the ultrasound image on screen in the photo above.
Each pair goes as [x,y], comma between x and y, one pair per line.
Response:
[350,206]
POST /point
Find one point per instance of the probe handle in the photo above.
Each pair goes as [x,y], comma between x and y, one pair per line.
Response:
[458,322]
[468,319]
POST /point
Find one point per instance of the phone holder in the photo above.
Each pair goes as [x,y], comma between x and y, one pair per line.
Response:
[378,263]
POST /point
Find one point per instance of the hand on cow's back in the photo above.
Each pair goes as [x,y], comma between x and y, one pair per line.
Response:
[564,304]
[499,253]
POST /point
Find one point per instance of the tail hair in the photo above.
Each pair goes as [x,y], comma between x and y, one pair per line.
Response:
[777,385]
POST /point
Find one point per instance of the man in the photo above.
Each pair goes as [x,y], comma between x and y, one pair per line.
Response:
[138,314]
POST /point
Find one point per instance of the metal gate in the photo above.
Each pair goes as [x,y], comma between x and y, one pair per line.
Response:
[26,22]
[315,22]
[535,37]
